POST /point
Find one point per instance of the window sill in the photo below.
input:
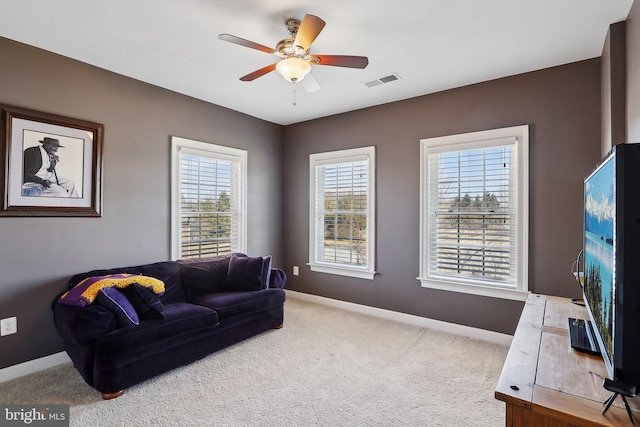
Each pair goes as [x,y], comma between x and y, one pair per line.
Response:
[487,291]
[343,271]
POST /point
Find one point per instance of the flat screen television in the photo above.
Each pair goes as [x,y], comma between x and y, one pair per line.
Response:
[611,288]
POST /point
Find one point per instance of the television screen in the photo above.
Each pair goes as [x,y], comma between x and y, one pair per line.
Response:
[611,267]
[599,254]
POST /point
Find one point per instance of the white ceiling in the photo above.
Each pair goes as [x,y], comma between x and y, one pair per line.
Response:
[432,45]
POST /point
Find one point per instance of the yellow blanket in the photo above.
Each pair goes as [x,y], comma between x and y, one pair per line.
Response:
[86,291]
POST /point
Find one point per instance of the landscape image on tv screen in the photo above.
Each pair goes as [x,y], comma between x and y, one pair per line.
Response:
[599,223]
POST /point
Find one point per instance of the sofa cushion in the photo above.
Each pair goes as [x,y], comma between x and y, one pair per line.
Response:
[248,273]
[181,319]
[204,276]
[146,303]
[206,260]
[169,273]
[229,304]
[94,321]
[114,300]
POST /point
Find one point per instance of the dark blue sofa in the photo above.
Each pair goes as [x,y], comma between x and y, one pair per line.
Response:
[205,307]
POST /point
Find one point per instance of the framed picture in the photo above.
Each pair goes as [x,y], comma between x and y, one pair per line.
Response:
[50,165]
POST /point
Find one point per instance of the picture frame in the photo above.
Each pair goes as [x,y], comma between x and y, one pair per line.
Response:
[50,165]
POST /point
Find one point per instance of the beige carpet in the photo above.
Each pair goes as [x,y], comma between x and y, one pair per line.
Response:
[326,367]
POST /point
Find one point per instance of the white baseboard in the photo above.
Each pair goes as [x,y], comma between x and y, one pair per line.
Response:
[26,368]
[424,322]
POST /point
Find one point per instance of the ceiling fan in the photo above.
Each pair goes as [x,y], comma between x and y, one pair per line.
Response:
[295,60]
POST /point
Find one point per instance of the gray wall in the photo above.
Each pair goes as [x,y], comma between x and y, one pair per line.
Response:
[614,87]
[562,107]
[38,255]
[633,73]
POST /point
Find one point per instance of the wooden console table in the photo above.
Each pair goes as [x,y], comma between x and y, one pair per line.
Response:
[545,382]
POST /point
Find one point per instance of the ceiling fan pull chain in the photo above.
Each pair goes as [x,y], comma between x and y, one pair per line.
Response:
[294,93]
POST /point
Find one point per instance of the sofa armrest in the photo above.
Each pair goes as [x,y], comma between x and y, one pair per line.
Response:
[82,354]
[278,278]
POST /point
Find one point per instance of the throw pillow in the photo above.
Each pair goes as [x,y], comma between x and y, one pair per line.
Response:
[94,321]
[144,301]
[278,278]
[266,272]
[248,273]
[115,301]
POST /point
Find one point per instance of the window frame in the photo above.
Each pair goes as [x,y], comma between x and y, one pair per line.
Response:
[181,145]
[336,157]
[474,140]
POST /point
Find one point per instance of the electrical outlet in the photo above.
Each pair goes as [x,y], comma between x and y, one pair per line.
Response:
[296,270]
[8,326]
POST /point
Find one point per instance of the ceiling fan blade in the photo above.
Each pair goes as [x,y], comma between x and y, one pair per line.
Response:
[309,29]
[258,73]
[310,84]
[246,43]
[340,60]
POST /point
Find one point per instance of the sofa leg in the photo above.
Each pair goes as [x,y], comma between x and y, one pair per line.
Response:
[108,396]
[279,326]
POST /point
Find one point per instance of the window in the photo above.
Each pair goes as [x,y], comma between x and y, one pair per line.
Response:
[208,199]
[474,213]
[342,224]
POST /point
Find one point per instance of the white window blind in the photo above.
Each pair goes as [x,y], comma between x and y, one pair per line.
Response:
[474,216]
[341,236]
[209,204]
[473,224]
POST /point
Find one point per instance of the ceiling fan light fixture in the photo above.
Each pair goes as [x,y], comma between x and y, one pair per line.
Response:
[293,69]
[295,60]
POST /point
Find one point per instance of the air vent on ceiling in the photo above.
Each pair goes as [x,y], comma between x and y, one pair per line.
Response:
[386,79]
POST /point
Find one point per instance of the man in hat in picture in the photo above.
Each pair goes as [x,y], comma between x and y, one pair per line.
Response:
[40,175]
